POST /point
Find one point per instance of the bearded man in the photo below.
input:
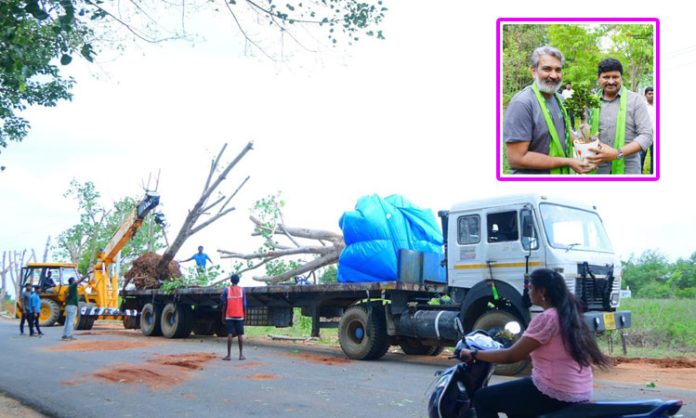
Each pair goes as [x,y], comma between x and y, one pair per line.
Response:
[536,128]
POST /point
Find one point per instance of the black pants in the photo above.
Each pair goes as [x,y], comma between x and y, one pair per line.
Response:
[29,318]
[518,399]
[35,318]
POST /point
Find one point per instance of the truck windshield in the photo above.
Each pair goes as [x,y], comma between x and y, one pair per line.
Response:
[574,229]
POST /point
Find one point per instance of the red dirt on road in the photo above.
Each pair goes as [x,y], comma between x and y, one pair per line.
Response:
[161,371]
[262,376]
[249,364]
[99,345]
[316,358]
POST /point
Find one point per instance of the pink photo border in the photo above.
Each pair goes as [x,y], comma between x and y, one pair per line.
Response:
[513,177]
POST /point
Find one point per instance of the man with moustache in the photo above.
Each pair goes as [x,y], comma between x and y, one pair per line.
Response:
[622,121]
[536,129]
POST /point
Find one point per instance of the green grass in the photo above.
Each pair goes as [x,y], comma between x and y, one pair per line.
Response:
[660,328]
[301,327]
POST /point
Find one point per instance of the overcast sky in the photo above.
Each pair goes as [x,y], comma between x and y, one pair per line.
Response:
[413,114]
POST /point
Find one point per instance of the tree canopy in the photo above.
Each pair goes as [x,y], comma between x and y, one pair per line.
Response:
[37,37]
[651,275]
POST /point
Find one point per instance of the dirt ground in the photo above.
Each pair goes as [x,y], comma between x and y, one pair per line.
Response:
[9,408]
[675,373]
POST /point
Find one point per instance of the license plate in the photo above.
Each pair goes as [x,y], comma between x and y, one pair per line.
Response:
[609,321]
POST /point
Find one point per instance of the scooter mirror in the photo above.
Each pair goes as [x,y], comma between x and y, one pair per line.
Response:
[513,327]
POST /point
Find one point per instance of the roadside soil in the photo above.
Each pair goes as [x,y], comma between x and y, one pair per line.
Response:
[679,372]
[9,408]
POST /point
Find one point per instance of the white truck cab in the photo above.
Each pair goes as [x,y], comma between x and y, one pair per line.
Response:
[492,243]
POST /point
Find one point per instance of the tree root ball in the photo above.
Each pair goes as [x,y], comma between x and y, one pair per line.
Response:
[145,275]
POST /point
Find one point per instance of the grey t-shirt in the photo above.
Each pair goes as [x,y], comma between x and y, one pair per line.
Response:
[525,122]
[638,129]
[26,300]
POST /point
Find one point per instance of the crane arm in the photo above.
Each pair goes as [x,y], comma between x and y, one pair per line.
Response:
[129,227]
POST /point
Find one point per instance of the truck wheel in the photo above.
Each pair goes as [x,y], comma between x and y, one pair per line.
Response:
[436,351]
[50,312]
[176,321]
[494,322]
[205,327]
[363,336]
[150,320]
[83,322]
[414,347]
[131,322]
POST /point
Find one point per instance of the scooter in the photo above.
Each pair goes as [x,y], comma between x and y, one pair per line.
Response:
[456,386]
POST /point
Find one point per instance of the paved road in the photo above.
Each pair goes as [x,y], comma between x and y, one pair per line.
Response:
[289,380]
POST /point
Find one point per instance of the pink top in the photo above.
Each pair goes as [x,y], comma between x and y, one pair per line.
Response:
[555,373]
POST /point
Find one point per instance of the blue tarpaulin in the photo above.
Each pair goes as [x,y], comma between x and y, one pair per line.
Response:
[375,232]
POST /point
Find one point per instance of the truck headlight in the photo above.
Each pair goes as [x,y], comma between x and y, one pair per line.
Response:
[614,299]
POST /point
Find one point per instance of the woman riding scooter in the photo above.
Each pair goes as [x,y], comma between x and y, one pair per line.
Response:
[562,350]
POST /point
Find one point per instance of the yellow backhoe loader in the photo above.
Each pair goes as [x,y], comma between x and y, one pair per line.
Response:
[99,296]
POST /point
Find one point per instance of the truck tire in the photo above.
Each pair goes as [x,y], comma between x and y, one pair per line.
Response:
[131,322]
[83,322]
[436,351]
[50,313]
[414,347]
[204,327]
[176,320]
[493,322]
[150,320]
[363,336]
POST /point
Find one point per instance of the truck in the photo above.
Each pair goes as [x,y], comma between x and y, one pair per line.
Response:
[490,246]
[98,298]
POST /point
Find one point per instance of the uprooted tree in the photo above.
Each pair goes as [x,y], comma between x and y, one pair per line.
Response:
[322,247]
[150,269]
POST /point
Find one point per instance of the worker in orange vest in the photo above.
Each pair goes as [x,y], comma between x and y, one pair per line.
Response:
[233,302]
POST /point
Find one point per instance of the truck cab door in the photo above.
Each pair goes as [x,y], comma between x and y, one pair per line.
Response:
[511,236]
[464,248]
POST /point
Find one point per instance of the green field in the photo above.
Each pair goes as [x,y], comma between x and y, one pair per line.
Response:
[661,328]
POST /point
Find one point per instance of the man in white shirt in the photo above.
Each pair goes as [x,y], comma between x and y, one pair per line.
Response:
[650,101]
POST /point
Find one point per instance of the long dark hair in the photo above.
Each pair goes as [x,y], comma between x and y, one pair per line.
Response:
[577,337]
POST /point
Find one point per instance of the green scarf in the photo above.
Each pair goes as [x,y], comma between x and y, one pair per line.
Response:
[617,166]
[555,147]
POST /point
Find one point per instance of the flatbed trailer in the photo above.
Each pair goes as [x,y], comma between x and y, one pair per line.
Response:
[367,314]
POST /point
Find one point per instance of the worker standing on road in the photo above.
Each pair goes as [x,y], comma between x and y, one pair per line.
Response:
[26,311]
[233,302]
[71,303]
[201,259]
[35,311]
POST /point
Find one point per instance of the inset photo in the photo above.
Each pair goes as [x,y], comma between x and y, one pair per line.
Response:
[578,99]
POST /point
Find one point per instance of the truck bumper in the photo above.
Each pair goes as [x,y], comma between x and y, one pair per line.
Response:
[607,321]
[96,311]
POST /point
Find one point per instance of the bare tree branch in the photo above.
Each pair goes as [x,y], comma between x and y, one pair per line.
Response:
[312,265]
[277,253]
[248,39]
[190,225]
[234,193]
[211,220]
